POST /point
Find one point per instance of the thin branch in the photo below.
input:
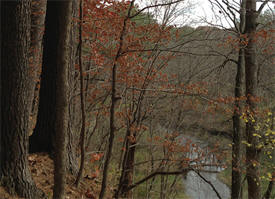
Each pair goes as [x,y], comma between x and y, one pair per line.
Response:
[262,6]
[112,108]
[184,171]
[153,6]
[226,13]
[181,172]
[172,91]
[199,165]
[208,182]
[92,133]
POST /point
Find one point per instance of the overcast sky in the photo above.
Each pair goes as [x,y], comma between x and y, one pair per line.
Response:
[203,13]
[198,13]
[204,10]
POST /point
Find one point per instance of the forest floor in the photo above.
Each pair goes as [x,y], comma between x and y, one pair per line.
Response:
[42,169]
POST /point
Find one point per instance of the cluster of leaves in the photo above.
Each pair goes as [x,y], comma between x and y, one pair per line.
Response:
[139,47]
[265,133]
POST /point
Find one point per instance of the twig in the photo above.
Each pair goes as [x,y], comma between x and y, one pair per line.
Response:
[208,182]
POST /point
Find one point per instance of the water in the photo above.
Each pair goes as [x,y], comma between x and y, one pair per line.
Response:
[195,186]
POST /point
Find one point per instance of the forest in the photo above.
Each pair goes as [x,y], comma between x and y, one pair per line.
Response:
[137,99]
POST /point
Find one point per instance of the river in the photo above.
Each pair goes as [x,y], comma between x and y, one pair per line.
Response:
[195,186]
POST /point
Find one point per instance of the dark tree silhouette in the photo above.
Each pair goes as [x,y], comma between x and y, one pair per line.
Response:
[43,137]
[17,85]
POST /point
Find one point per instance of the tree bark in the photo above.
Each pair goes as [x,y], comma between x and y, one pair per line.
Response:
[251,75]
[126,177]
[82,101]
[72,165]
[38,9]
[17,84]
[43,137]
[65,17]
[238,131]
[112,107]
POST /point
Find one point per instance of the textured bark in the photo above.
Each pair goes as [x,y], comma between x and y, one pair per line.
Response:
[38,13]
[43,138]
[17,84]
[64,17]
[82,103]
[251,75]
[238,130]
[127,172]
[72,165]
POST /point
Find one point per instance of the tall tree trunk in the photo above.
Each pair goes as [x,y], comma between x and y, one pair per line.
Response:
[63,61]
[17,84]
[82,101]
[43,137]
[251,68]
[236,186]
[237,131]
[72,165]
[126,177]
[112,107]
[37,30]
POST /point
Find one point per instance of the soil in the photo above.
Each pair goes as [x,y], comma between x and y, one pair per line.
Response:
[41,167]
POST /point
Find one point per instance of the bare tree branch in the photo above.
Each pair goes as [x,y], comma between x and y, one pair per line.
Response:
[262,6]
[182,172]
[153,6]
[208,182]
